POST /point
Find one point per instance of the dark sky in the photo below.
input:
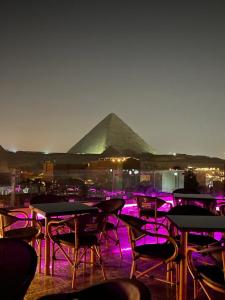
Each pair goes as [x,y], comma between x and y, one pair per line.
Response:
[159,65]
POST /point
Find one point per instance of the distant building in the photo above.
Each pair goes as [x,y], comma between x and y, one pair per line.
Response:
[48,170]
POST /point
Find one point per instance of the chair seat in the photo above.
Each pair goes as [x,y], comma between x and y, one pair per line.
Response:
[199,240]
[18,262]
[151,213]
[162,251]
[85,239]
[27,233]
[213,274]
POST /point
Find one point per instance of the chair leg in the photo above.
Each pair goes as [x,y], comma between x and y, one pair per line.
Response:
[85,260]
[106,239]
[98,253]
[75,267]
[173,270]
[53,259]
[118,243]
[205,291]
[39,255]
[195,288]
[169,273]
[92,256]
[133,269]
[177,280]
[156,230]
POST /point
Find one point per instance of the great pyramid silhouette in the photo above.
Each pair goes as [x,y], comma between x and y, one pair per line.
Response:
[111,133]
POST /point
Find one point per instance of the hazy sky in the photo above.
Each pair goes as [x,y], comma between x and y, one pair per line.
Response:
[159,65]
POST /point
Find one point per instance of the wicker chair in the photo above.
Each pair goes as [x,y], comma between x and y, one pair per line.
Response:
[18,262]
[207,275]
[23,228]
[47,198]
[112,207]
[164,253]
[149,206]
[81,232]
[120,289]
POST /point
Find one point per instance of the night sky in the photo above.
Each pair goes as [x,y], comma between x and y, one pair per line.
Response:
[159,65]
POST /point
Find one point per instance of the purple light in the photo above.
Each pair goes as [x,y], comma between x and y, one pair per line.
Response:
[126,249]
[40,217]
[130,205]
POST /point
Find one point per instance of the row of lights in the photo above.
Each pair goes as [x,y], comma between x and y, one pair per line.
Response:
[130,172]
[118,159]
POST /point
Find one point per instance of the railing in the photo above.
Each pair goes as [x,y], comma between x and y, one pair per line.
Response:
[112,182]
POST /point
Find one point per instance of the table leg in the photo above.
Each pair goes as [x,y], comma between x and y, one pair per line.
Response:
[223,257]
[33,216]
[47,249]
[92,257]
[183,267]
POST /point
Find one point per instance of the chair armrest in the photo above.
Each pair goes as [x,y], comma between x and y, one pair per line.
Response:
[34,221]
[15,211]
[212,250]
[60,223]
[57,226]
[153,234]
[26,219]
[163,236]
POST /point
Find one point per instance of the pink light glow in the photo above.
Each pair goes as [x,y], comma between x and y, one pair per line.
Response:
[126,249]
[40,216]
[130,205]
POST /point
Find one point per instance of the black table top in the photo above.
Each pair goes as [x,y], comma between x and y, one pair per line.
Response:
[198,223]
[194,196]
[62,208]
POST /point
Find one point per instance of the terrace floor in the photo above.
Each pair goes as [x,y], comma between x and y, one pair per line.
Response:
[115,268]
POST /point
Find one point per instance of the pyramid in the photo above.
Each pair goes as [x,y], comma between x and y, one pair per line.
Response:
[112,133]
